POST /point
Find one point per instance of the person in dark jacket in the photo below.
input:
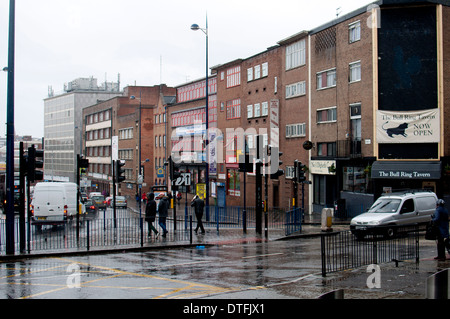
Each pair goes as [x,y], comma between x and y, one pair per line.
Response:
[163,211]
[440,219]
[198,205]
[150,214]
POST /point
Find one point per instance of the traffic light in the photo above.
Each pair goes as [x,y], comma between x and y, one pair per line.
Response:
[120,177]
[33,163]
[82,164]
[275,162]
[246,163]
[301,172]
[174,170]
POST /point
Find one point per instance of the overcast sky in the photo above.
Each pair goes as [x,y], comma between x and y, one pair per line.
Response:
[146,41]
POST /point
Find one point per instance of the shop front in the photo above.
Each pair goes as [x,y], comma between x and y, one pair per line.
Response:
[391,176]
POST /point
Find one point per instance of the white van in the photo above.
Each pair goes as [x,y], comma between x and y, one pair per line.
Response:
[54,203]
[395,209]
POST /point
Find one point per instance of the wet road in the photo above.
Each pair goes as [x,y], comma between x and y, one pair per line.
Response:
[261,270]
[234,271]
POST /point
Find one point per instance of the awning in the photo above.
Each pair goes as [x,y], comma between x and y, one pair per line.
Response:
[406,170]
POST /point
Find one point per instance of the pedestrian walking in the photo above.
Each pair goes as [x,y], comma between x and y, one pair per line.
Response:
[163,211]
[198,205]
[144,198]
[440,220]
[150,214]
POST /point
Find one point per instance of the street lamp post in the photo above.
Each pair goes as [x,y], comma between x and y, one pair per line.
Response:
[140,144]
[196,27]
[10,133]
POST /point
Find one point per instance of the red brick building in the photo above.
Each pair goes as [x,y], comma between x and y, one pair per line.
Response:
[371,97]
[121,117]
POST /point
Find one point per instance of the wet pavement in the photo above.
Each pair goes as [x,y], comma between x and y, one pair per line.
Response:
[286,269]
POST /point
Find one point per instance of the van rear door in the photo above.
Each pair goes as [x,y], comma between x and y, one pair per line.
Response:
[426,206]
[49,205]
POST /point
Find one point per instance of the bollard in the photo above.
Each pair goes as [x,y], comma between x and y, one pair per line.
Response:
[335,294]
[438,285]
[327,218]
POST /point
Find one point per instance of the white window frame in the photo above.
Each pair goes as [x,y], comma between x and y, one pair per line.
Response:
[249,111]
[249,74]
[333,119]
[264,108]
[265,69]
[257,110]
[355,71]
[257,72]
[296,89]
[331,79]
[296,54]
[296,130]
[354,32]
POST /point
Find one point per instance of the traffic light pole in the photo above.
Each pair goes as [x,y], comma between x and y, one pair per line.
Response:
[295,180]
[114,193]
[258,203]
[266,197]
[22,172]
[78,198]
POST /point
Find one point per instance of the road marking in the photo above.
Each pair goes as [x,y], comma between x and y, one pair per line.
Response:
[266,255]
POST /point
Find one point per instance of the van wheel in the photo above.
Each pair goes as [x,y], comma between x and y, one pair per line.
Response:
[391,232]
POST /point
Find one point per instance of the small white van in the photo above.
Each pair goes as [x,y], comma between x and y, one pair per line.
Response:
[54,203]
[393,210]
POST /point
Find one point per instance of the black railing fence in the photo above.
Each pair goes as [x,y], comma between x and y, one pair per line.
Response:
[104,230]
[343,251]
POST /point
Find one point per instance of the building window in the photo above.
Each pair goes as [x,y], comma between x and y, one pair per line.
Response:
[249,111]
[354,179]
[296,89]
[326,79]
[196,90]
[257,109]
[265,108]
[265,69]
[354,32]
[295,55]
[326,115]
[249,74]
[289,172]
[233,182]
[355,118]
[234,76]
[257,72]
[326,149]
[124,134]
[355,71]
[234,109]
[296,130]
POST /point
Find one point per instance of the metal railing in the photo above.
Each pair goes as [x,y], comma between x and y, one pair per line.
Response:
[343,251]
[106,231]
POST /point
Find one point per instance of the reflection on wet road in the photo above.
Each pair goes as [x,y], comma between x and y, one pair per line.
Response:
[216,272]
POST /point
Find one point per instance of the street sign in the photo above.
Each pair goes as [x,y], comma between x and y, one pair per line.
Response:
[183,180]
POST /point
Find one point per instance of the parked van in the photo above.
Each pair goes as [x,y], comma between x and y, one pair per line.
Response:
[394,209]
[54,203]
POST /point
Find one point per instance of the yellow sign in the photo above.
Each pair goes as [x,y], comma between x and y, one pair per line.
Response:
[201,190]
